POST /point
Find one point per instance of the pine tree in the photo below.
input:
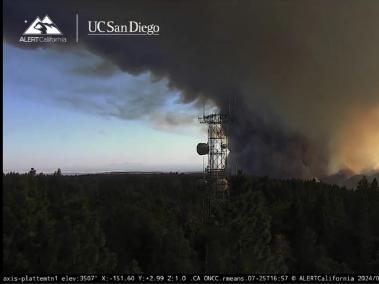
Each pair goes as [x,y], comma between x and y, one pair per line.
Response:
[374,185]
[363,184]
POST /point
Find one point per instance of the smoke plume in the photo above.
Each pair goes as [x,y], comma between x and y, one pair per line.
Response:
[304,75]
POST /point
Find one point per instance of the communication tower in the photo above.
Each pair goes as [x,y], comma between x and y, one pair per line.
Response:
[217,150]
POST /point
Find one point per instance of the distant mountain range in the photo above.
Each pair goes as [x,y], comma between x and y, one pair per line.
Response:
[349,179]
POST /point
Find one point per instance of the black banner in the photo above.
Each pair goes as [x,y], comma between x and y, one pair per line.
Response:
[192,278]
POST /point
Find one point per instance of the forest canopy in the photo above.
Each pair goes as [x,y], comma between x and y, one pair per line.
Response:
[119,223]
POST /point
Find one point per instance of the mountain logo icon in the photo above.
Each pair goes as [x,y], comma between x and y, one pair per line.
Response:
[44,27]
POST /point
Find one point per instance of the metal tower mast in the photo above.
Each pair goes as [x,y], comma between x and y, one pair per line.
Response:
[217,151]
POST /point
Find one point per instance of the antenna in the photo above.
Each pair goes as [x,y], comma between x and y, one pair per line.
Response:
[203,164]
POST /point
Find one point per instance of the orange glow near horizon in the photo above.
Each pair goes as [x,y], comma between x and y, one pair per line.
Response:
[356,145]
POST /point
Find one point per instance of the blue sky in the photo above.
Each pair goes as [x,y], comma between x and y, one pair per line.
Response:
[75,111]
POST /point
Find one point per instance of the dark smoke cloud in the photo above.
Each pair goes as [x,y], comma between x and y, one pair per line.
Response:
[73,81]
[297,68]
[269,147]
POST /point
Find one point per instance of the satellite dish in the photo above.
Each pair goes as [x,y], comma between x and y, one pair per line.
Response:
[202,149]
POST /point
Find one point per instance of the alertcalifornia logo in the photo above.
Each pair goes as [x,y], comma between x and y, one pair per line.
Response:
[43,31]
[47,31]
